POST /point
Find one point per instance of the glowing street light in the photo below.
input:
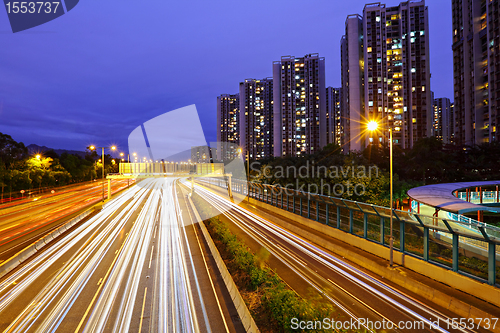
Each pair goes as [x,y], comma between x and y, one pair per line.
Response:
[372,125]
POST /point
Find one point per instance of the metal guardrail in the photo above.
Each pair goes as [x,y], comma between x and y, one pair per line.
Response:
[414,234]
[488,197]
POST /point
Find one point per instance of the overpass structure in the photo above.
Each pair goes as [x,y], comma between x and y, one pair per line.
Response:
[170,169]
[450,197]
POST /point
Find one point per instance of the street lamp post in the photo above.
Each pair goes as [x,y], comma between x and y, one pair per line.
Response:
[240,150]
[391,240]
[112,148]
[128,160]
[372,126]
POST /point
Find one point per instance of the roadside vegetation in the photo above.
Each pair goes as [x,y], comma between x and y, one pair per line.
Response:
[22,171]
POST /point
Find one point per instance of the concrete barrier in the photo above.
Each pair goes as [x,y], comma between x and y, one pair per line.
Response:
[13,262]
[473,287]
[240,305]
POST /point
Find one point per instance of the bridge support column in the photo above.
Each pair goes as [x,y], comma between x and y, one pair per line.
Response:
[229,190]
[455,253]
[382,231]
[351,221]
[365,226]
[338,217]
[492,263]
[308,208]
[402,237]
[109,189]
[426,244]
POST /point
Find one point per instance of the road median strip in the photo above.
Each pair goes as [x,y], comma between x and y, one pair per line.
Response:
[10,264]
[21,256]
[240,305]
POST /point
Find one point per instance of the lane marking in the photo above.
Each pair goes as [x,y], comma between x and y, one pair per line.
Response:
[206,267]
[142,312]
[151,257]
[99,289]
[363,303]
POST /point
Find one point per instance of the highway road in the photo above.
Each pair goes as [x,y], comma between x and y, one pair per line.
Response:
[355,293]
[138,265]
[23,223]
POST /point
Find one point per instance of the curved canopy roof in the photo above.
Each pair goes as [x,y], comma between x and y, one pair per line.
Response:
[441,196]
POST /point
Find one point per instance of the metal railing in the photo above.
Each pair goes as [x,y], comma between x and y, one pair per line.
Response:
[488,197]
[441,241]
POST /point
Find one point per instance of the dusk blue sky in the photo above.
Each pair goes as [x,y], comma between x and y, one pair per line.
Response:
[96,73]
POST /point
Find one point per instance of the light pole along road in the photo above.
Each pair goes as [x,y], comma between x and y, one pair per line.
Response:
[372,127]
[112,148]
[136,266]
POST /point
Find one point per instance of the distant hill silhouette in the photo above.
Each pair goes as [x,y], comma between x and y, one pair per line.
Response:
[33,149]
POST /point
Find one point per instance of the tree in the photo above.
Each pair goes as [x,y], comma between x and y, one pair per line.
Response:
[428,159]
[11,150]
[80,169]
[3,177]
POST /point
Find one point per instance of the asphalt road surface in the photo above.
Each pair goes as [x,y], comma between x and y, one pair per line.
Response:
[136,266]
[25,222]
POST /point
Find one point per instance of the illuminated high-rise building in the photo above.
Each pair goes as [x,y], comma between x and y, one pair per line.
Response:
[228,123]
[256,118]
[442,124]
[299,105]
[396,80]
[476,71]
[352,72]
[333,119]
